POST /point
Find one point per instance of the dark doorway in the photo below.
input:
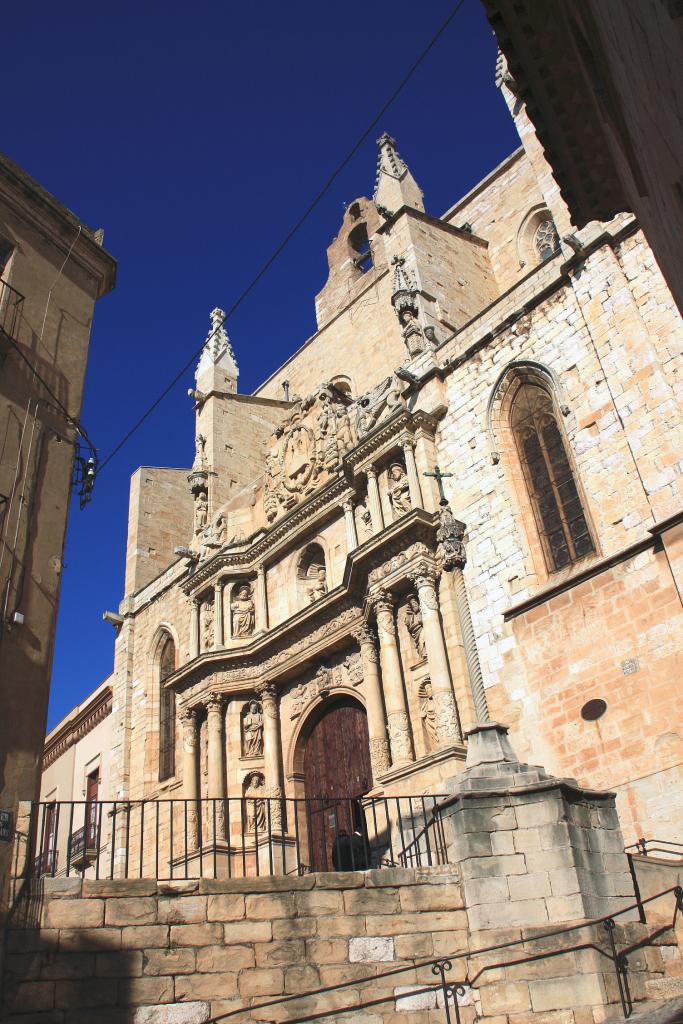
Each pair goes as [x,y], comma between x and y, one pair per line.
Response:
[337,772]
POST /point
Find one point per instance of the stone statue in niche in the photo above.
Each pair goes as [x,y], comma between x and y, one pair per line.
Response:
[201,512]
[317,582]
[207,625]
[412,617]
[399,491]
[255,804]
[428,714]
[199,452]
[243,612]
[252,730]
[364,520]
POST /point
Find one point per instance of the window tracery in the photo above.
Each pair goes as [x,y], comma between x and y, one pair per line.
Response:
[549,478]
[546,239]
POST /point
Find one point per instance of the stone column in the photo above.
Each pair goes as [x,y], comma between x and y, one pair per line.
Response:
[271,751]
[379,744]
[451,553]
[408,446]
[392,682]
[351,535]
[374,503]
[194,628]
[218,627]
[445,712]
[191,774]
[261,599]
[215,781]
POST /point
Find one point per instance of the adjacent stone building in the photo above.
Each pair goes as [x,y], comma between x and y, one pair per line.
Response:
[52,271]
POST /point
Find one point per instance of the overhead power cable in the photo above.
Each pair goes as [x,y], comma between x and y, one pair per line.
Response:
[290,234]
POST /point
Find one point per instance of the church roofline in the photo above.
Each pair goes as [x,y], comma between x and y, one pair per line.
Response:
[484,183]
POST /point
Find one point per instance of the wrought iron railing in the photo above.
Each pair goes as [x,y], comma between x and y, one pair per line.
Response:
[11,305]
[233,837]
[656,848]
[448,994]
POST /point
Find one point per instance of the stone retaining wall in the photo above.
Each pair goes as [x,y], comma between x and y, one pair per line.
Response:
[142,952]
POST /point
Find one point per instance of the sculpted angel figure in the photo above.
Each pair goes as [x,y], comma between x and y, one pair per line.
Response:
[413,621]
[253,730]
[399,491]
[242,609]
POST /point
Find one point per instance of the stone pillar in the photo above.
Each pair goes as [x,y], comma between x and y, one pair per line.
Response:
[351,535]
[216,776]
[379,744]
[392,681]
[408,446]
[374,503]
[446,715]
[271,751]
[194,628]
[261,599]
[191,774]
[452,556]
[218,627]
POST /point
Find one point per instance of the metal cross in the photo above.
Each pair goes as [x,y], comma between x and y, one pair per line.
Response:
[439,477]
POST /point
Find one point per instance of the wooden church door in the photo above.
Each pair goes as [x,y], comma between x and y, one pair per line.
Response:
[336,772]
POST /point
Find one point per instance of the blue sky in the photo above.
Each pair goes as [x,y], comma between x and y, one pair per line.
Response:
[196,136]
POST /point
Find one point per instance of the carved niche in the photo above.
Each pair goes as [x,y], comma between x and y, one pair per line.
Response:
[242,610]
[252,729]
[306,449]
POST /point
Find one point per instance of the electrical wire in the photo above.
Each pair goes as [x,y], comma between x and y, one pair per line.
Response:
[288,237]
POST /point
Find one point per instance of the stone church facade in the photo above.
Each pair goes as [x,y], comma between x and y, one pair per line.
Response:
[460,500]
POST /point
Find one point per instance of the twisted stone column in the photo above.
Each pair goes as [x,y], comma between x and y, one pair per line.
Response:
[271,751]
[452,555]
[190,774]
[218,627]
[374,503]
[379,744]
[194,628]
[216,776]
[392,682]
[351,535]
[408,446]
[445,711]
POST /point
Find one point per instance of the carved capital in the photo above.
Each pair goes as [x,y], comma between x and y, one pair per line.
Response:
[189,716]
[383,605]
[366,638]
[347,505]
[407,442]
[214,702]
[268,695]
[371,473]
[424,577]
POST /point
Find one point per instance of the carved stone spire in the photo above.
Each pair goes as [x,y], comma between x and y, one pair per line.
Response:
[217,369]
[394,185]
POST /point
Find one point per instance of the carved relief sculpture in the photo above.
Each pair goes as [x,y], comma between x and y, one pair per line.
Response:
[201,511]
[364,521]
[412,618]
[255,804]
[252,730]
[378,405]
[428,715]
[450,544]
[317,585]
[243,612]
[207,625]
[399,490]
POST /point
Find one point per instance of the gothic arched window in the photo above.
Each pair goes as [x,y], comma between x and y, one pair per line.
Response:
[166,712]
[546,240]
[549,478]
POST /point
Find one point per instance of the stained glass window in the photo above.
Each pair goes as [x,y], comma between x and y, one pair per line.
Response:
[166,713]
[549,478]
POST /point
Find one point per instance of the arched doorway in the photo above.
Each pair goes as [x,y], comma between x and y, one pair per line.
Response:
[337,772]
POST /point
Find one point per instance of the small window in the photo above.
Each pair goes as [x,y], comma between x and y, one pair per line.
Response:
[546,240]
[548,475]
[166,713]
[360,244]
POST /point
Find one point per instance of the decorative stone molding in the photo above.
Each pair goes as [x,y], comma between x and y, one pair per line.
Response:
[399,736]
[94,712]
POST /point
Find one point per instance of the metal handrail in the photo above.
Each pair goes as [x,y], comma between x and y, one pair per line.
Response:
[647,847]
[450,990]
